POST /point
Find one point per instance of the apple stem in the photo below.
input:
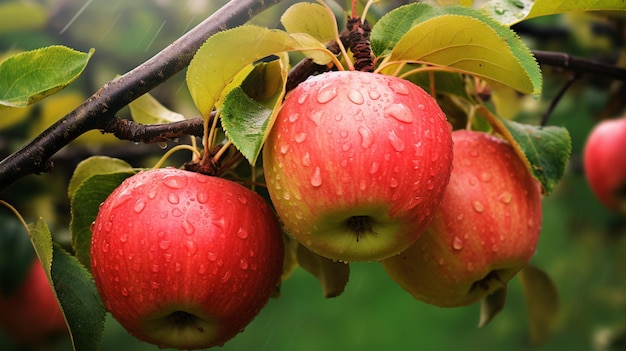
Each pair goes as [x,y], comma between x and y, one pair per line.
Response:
[359,39]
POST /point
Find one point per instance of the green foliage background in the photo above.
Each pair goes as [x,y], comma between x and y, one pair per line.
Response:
[582,247]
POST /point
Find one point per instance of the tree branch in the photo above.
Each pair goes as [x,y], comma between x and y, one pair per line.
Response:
[97,111]
[580,65]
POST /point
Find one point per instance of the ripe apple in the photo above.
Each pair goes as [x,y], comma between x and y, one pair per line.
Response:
[356,164]
[604,161]
[485,231]
[31,315]
[184,260]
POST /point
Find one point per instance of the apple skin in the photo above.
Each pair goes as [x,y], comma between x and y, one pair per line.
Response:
[31,315]
[184,260]
[485,231]
[356,164]
[604,162]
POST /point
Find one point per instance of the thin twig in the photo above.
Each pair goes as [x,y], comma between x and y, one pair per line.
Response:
[557,98]
[580,65]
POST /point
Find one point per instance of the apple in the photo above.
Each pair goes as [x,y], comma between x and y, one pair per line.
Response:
[484,232]
[31,315]
[356,164]
[604,162]
[184,260]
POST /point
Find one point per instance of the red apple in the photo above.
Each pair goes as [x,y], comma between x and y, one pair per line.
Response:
[604,161]
[485,231]
[184,260]
[356,164]
[31,315]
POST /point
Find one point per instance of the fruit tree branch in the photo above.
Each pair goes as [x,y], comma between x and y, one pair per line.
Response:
[580,65]
[98,110]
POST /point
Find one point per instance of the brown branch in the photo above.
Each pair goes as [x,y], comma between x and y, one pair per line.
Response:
[580,65]
[97,111]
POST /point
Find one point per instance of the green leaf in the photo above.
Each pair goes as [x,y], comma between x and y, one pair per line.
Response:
[22,15]
[333,275]
[508,12]
[491,305]
[95,165]
[147,110]
[546,150]
[459,38]
[542,303]
[313,19]
[550,7]
[220,59]
[249,110]
[85,204]
[74,287]
[30,76]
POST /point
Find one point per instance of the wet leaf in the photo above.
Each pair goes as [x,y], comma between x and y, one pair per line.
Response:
[313,19]
[147,110]
[545,150]
[550,7]
[221,58]
[542,303]
[331,274]
[30,76]
[461,39]
[249,110]
[508,12]
[74,287]
[491,305]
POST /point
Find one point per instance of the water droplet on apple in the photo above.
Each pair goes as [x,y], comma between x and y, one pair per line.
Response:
[316,178]
[242,233]
[421,107]
[293,117]
[139,206]
[155,268]
[286,196]
[457,243]
[107,226]
[284,148]
[440,261]
[226,277]
[346,146]
[219,222]
[105,246]
[469,266]
[374,167]
[202,268]
[302,98]
[191,247]
[396,142]
[485,177]
[243,264]
[242,199]
[174,181]
[152,193]
[123,237]
[356,97]
[306,159]
[173,198]
[473,153]
[399,87]
[478,206]
[176,212]
[373,94]
[202,197]
[367,136]
[300,137]
[505,197]
[125,292]
[154,285]
[326,93]
[400,112]
[393,182]
[316,117]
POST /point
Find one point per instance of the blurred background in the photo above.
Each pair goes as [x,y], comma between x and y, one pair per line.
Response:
[582,246]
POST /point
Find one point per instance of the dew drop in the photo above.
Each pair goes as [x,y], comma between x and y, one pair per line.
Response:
[374,95]
[165,244]
[300,137]
[306,159]
[505,197]
[176,212]
[316,178]
[174,181]
[302,98]
[124,237]
[202,197]
[400,112]
[393,182]
[178,266]
[242,233]
[421,107]
[485,177]
[396,142]
[173,198]
[367,136]
[212,256]
[155,268]
[153,192]
[191,247]
[284,148]
[326,93]
[478,206]
[316,117]
[154,285]
[107,226]
[202,268]
[139,206]
[399,87]
[125,292]
[188,227]
[293,117]
[356,97]
[226,277]
[219,222]
[243,264]
[374,167]
[457,243]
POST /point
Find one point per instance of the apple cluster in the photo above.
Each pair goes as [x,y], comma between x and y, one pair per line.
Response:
[360,167]
[604,161]
[185,260]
